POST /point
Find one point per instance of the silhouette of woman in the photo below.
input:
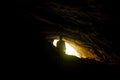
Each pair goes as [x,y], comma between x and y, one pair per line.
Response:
[61,45]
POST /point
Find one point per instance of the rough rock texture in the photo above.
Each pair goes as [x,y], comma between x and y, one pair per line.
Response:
[90,26]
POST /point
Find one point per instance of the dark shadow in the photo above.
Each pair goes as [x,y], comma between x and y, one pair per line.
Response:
[35,57]
[61,46]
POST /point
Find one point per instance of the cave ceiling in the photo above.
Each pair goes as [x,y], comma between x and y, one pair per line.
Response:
[82,22]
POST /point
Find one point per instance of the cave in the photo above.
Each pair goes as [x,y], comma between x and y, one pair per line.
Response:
[89,26]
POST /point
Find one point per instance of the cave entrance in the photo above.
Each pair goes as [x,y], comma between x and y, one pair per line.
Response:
[69,49]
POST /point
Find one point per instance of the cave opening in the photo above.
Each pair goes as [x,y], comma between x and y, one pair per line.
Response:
[69,49]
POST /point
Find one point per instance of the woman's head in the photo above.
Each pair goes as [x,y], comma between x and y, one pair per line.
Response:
[61,37]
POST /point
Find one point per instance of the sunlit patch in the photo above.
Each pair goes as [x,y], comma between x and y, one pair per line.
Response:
[69,49]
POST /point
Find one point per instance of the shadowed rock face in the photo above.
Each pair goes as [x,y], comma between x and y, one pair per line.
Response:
[85,24]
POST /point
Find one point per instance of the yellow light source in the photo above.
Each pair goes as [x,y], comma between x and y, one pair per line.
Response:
[69,49]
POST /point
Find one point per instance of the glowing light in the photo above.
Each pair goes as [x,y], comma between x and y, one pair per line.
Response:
[54,43]
[69,49]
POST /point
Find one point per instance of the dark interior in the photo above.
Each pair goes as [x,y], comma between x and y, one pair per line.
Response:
[92,25]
